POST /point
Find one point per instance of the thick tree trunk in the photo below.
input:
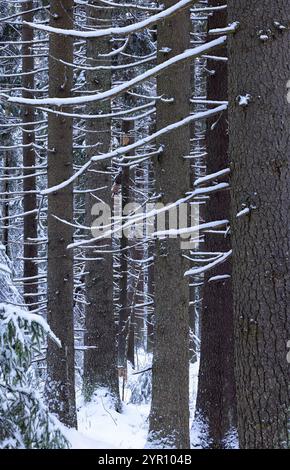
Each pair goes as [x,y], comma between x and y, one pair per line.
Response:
[60,386]
[259,148]
[29,184]
[100,364]
[216,403]
[169,416]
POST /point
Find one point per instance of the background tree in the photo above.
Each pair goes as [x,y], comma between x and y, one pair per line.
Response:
[30,270]
[100,364]
[169,416]
[216,403]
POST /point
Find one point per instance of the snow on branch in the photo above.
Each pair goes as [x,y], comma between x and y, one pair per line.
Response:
[123,150]
[121,5]
[134,219]
[231,28]
[78,100]
[116,31]
[188,230]
[219,260]
[204,179]
[14,314]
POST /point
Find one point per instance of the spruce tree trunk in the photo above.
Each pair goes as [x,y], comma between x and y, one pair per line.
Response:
[100,364]
[259,148]
[5,186]
[216,403]
[60,384]
[126,326]
[169,416]
[29,184]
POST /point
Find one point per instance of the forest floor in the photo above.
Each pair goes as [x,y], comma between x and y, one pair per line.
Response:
[101,427]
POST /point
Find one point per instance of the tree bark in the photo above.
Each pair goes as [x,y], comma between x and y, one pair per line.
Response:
[100,364]
[216,401]
[259,148]
[60,384]
[169,416]
[126,333]
[29,183]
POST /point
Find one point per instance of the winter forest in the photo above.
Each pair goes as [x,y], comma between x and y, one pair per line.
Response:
[144,224]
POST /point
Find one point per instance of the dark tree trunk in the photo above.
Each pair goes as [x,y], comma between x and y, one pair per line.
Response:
[259,148]
[60,384]
[216,402]
[169,416]
[126,325]
[29,184]
[5,204]
[100,364]
[150,297]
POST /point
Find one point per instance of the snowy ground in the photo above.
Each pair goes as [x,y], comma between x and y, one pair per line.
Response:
[101,427]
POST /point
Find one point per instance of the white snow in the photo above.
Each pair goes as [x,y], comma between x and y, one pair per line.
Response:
[123,150]
[229,29]
[244,100]
[101,427]
[4,268]
[195,228]
[115,31]
[220,277]
[211,176]
[209,266]
[14,313]
[75,100]
[243,212]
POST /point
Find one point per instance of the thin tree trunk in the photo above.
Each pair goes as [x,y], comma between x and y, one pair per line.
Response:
[169,416]
[29,184]
[5,211]
[216,401]
[150,296]
[126,327]
[100,364]
[60,384]
[259,148]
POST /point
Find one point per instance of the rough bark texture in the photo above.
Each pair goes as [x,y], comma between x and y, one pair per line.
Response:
[29,184]
[259,149]
[60,387]
[216,403]
[100,364]
[169,416]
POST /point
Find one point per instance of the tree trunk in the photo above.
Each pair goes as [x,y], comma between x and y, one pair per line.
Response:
[5,201]
[216,403]
[150,297]
[60,384]
[169,416]
[259,148]
[29,184]
[100,364]
[126,325]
